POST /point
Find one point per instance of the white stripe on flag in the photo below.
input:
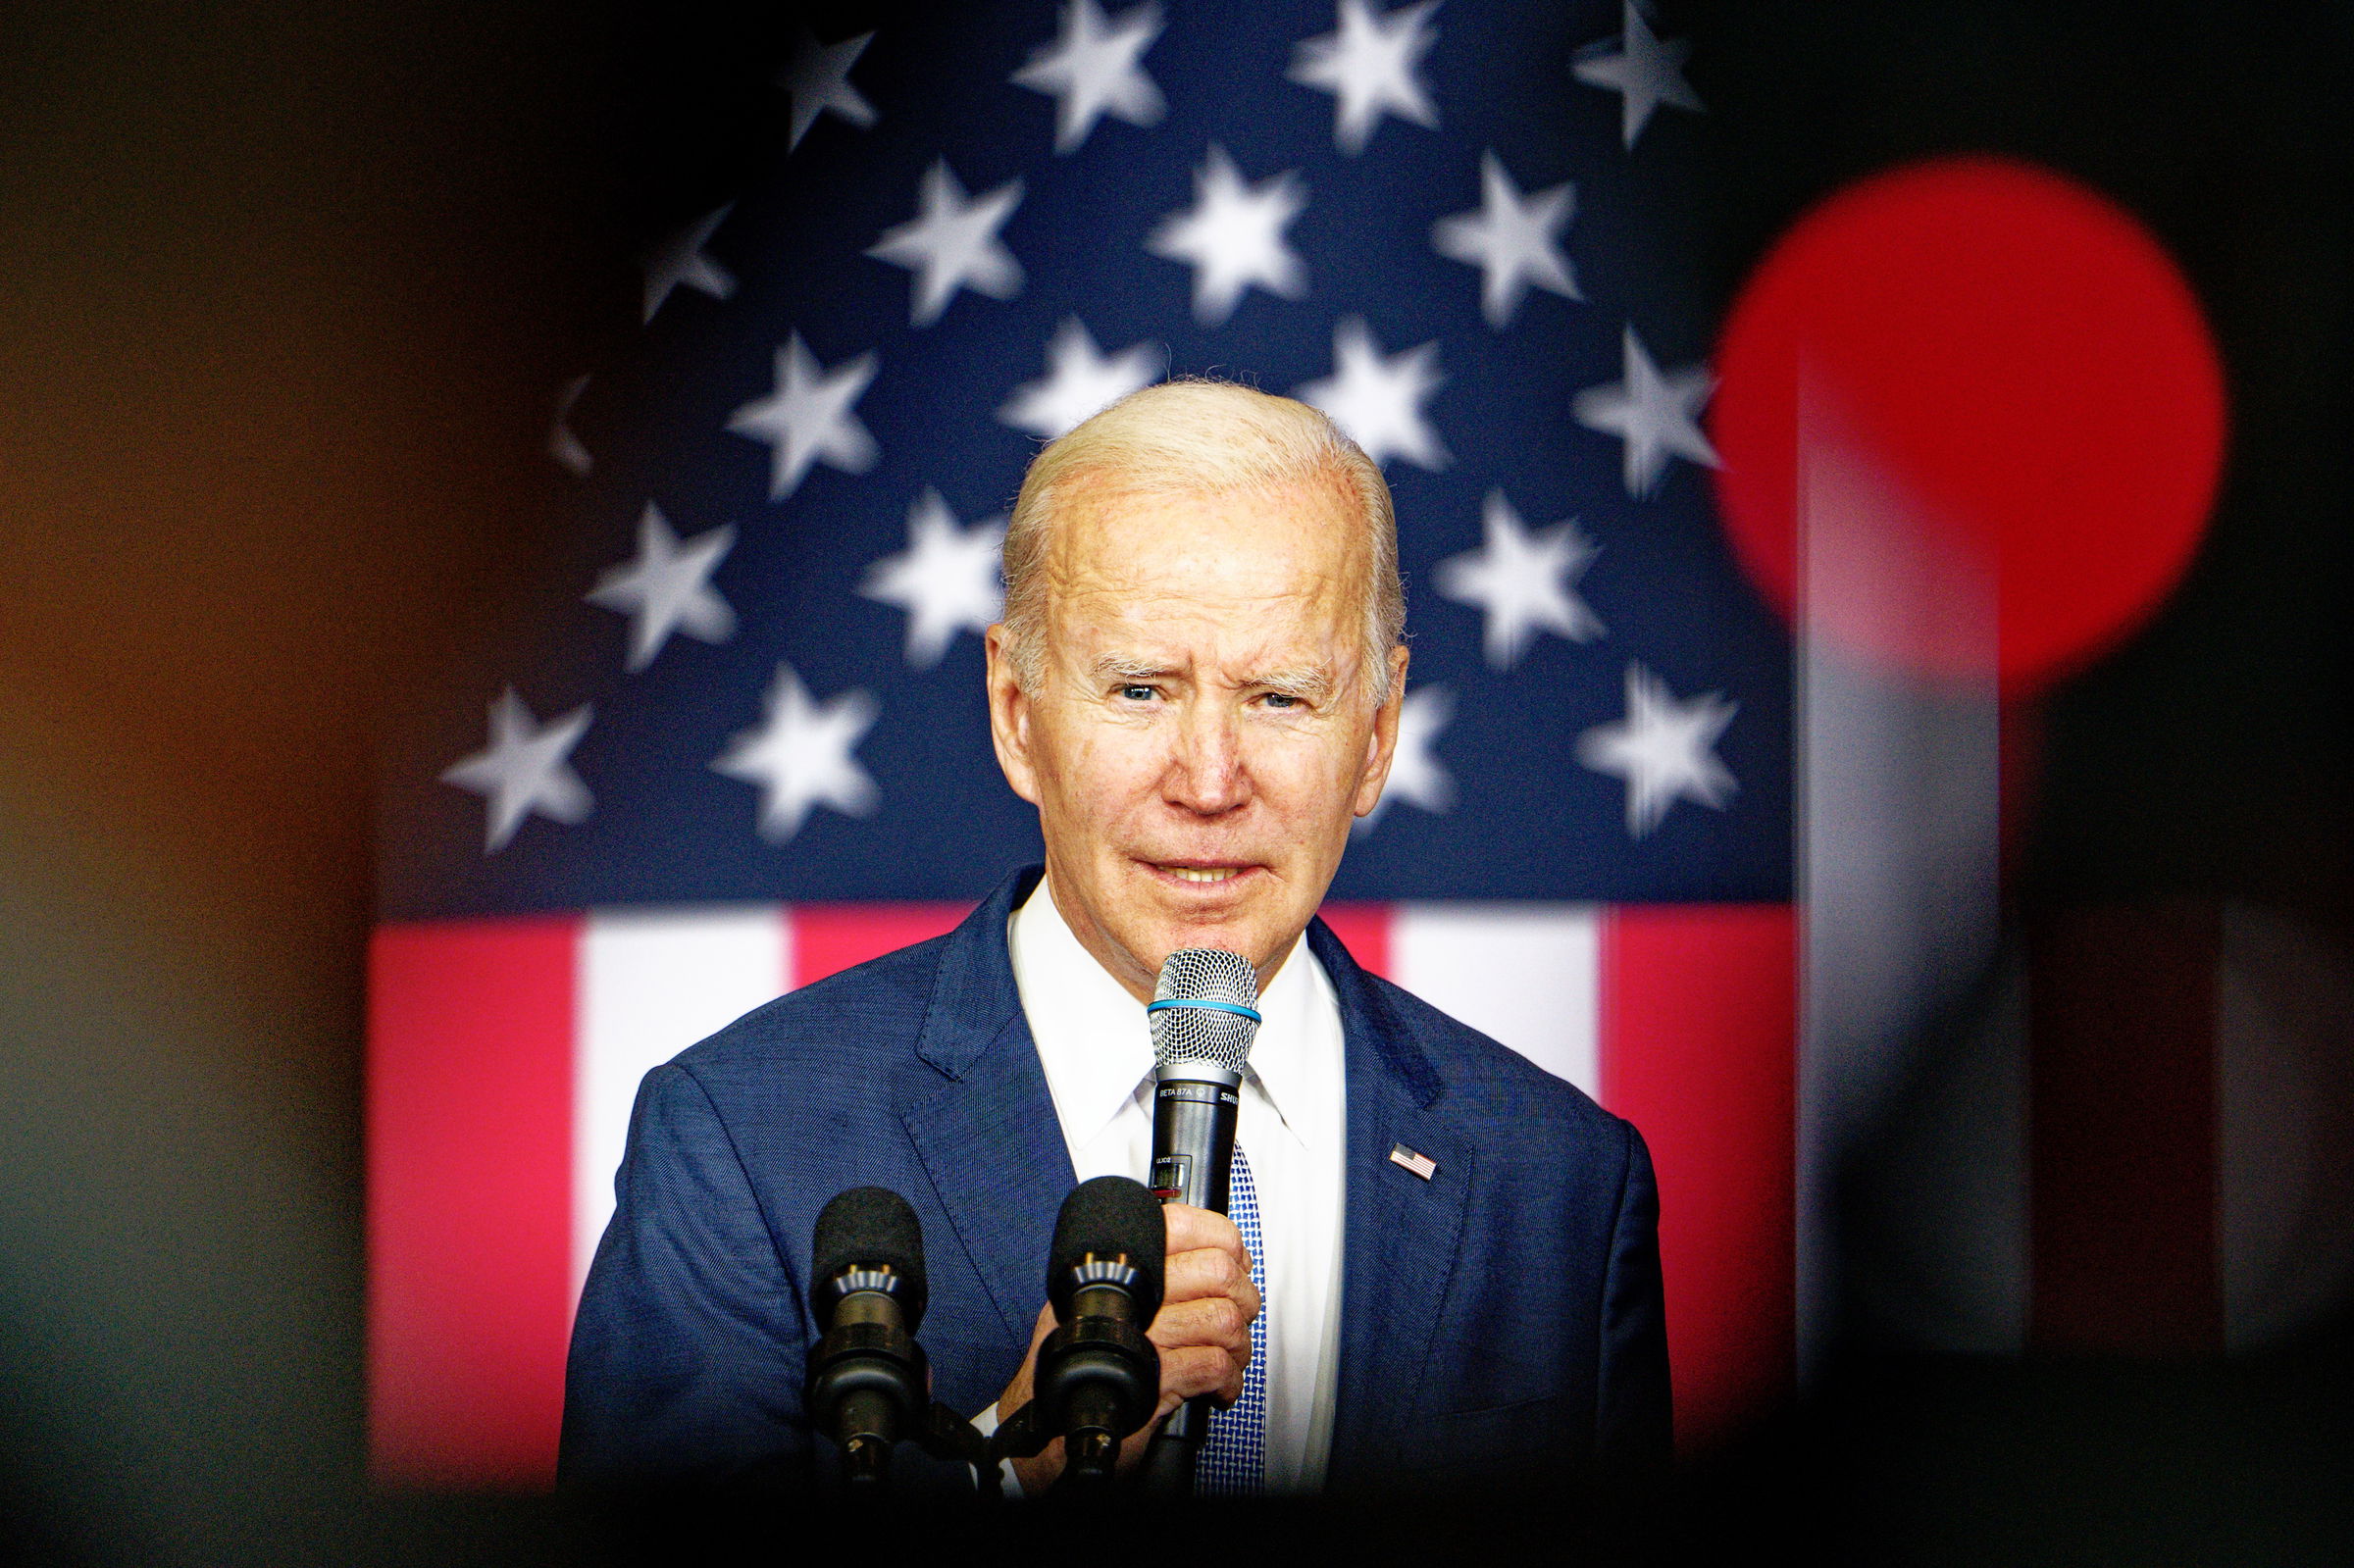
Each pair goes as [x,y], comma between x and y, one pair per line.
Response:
[1527,975]
[652,982]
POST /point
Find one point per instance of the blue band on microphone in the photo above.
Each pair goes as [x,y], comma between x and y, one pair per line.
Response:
[1235,1008]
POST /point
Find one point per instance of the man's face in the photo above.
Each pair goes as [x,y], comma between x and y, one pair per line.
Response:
[1204,730]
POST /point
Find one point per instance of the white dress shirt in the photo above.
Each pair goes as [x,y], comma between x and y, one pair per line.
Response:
[1096,1050]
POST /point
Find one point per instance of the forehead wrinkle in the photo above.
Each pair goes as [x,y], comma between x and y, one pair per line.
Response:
[1164,586]
[1075,555]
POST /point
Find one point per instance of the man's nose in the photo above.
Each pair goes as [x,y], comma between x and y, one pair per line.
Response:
[1207,775]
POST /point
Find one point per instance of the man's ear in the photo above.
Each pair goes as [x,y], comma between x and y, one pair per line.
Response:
[1381,746]
[1009,717]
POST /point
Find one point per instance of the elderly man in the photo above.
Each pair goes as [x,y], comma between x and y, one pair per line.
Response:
[1453,1278]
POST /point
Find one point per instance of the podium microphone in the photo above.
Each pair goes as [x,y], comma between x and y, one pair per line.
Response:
[868,1385]
[1203,1015]
[1098,1378]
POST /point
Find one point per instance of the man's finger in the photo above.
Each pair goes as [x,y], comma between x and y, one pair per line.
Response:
[1190,1371]
[1208,1271]
[1191,1229]
[1217,1321]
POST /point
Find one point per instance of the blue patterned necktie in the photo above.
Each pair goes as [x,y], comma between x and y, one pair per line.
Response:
[1234,1456]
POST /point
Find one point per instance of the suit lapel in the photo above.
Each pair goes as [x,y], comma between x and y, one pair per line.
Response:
[988,1138]
[1402,1234]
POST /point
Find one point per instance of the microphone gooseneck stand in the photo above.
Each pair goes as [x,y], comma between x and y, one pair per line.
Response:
[873,1377]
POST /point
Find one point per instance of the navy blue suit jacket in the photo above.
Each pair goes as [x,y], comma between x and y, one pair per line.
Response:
[1500,1318]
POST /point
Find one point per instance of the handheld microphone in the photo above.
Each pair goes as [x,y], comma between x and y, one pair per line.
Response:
[869,1384]
[1098,1378]
[1204,1016]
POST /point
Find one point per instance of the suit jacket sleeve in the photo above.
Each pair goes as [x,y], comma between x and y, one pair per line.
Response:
[1633,1426]
[691,1343]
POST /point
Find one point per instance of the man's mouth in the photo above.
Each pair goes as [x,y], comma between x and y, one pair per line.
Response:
[1200,874]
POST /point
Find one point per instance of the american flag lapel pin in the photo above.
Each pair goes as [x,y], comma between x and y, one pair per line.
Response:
[1421,1165]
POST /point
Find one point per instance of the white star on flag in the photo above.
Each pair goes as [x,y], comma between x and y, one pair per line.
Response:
[1514,241]
[819,81]
[945,579]
[1664,750]
[1526,582]
[668,588]
[524,770]
[1079,381]
[1648,71]
[800,756]
[562,445]
[808,417]
[1233,237]
[1092,71]
[1656,415]
[1367,64]
[1379,401]
[952,243]
[680,259]
[1417,776]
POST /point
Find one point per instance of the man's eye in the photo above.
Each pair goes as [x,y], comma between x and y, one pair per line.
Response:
[1138,693]
[1282,699]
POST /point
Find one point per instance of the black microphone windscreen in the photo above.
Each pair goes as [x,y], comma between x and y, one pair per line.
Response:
[1109,1217]
[869,1226]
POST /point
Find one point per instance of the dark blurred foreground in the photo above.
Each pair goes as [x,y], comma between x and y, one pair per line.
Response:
[1898,1460]
[288,294]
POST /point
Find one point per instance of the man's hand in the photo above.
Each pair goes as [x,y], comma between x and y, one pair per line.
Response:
[1202,1333]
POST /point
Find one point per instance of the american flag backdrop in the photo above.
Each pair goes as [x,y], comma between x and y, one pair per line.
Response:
[753,749]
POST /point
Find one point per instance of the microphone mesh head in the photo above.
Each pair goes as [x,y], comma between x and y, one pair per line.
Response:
[1205,1034]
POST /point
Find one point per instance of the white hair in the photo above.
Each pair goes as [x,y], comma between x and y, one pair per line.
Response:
[1193,438]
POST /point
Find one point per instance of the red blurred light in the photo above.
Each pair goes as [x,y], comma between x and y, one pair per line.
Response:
[2021,363]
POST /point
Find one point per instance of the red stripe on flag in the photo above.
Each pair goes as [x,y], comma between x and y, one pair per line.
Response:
[469,1037]
[1699,1049]
[1364,930]
[828,939]
[2121,1112]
